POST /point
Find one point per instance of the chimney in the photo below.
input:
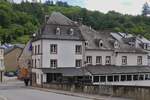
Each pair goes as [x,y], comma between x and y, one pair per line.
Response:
[46,18]
[80,21]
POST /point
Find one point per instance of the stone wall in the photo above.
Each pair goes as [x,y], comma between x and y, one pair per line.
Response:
[139,93]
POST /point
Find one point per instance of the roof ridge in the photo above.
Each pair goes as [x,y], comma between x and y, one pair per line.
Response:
[60,19]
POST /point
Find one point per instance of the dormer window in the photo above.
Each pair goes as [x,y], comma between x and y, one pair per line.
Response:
[86,43]
[101,43]
[71,31]
[145,46]
[57,31]
[116,45]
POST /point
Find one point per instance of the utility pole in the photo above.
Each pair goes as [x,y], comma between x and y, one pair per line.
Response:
[1,78]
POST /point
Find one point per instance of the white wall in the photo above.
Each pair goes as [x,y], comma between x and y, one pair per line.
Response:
[131,59]
[116,60]
[95,53]
[37,57]
[38,75]
[65,53]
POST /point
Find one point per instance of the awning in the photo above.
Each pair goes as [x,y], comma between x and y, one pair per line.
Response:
[67,71]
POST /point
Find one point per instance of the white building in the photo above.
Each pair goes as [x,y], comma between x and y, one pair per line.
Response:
[63,49]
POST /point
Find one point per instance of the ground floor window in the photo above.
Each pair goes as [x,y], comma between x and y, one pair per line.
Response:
[141,77]
[96,79]
[53,77]
[146,77]
[129,77]
[116,78]
[123,77]
[135,77]
[103,78]
[110,78]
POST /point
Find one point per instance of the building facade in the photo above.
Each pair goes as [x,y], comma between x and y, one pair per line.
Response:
[11,56]
[65,51]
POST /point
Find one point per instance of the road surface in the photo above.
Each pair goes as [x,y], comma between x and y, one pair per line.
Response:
[15,90]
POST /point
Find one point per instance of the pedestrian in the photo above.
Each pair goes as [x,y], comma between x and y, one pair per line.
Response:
[26,81]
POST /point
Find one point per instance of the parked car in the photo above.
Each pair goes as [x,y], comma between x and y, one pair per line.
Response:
[9,74]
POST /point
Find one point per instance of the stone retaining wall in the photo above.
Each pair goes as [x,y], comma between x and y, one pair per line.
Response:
[139,93]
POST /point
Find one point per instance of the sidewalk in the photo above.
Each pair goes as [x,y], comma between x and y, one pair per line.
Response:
[82,95]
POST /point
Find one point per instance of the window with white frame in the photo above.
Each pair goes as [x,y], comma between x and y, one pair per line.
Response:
[35,50]
[89,59]
[98,59]
[86,43]
[78,49]
[96,79]
[139,60]
[71,31]
[100,43]
[102,78]
[116,44]
[57,31]
[129,77]
[110,78]
[39,63]
[116,78]
[38,49]
[35,63]
[32,63]
[53,48]
[78,63]
[108,60]
[53,63]
[124,60]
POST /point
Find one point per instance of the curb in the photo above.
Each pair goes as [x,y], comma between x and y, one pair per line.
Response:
[68,94]
[3,98]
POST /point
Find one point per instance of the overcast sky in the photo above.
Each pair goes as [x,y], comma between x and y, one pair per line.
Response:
[133,7]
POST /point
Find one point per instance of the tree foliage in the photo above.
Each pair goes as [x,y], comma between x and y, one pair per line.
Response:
[19,21]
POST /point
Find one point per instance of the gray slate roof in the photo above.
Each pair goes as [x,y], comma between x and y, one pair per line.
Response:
[71,71]
[98,70]
[2,47]
[7,50]
[93,36]
[81,33]
[124,46]
[48,30]
[59,19]
[108,39]
[101,70]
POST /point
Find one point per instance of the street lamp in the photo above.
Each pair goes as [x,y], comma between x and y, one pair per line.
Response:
[1,73]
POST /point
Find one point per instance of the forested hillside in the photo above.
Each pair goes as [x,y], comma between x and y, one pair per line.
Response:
[19,21]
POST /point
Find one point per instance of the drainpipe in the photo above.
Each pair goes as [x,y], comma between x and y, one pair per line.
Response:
[1,78]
